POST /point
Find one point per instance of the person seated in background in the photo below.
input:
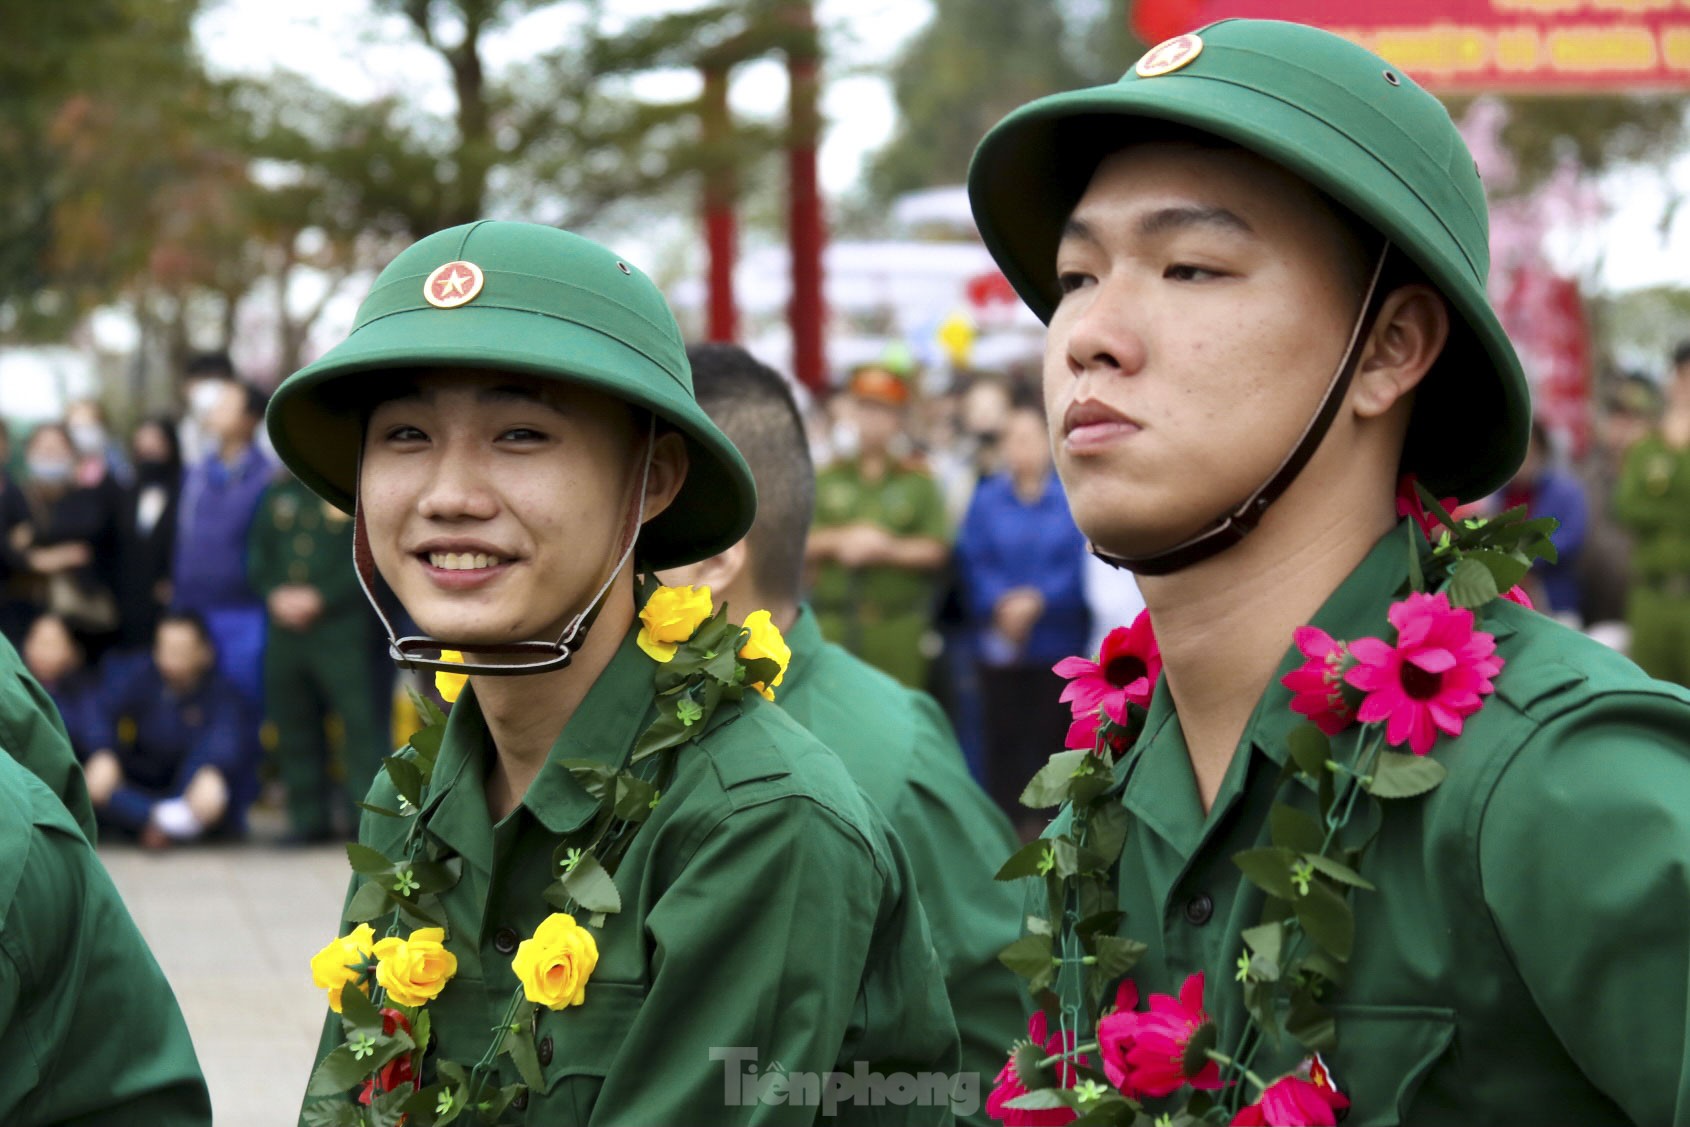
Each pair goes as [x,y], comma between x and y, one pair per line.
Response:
[55,657]
[174,759]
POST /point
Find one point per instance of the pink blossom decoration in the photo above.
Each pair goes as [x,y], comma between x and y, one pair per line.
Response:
[1008,1084]
[1517,594]
[1124,673]
[1115,1032]
[1409,505]
[1431,679]
[1292,1101]
[1148,1057]
[1317,685]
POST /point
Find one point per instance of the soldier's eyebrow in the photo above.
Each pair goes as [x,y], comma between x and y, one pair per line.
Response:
[518,394]
[1079,229]
[1167,219]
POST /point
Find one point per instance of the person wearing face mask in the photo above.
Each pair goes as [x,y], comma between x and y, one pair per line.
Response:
[202,377]
[98,454]
[146,530]
[69,541]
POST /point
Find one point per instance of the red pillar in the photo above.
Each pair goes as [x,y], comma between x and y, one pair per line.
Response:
[719,193]
[806,232]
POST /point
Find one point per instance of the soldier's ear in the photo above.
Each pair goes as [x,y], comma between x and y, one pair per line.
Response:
[717,572]
[1407,337]
[668,473]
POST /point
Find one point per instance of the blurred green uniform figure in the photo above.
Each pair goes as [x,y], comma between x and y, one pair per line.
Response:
[318,658]
[879,539]
[1652,501]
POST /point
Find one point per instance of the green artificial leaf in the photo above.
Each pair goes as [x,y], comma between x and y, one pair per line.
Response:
[1116,955]
[1030,958]
[519,1043]
[597,779]
[1043,1099]
[407,779]
[424,912]
[1324,965]
[426,741]
[1505,569]
[1327,919]
[1310,748]
[1196,1056]
[592,887]
[1471,584]
[500,1099]
[1259,1001]
[557,896]
[1269,869]
[1311,1023]
[1431,504]
[358,1014]
[370,862]
[342,1069]
[331,1113]
[1106,833]
[1099,923]
[1416,576]
[633,798]
[1065,855]
[368,903]
[665,732]
[1403,776]
[1266,940]
[420,1107]
[1051,785]
[388,1109]
[1293,829]
[374,809]
[1028,861]
[1338,871]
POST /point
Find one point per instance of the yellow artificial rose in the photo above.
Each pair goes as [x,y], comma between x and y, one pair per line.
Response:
[449,685]
[414,970]
[554,966]
[337,964]
[669,618]
[765,641]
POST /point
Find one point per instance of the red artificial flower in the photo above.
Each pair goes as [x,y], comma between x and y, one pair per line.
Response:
[1318,684]
[1410,506]
[1124,673]
[1517,594]
[1292,1101]
[1431,679]
[1153,1064]
[1008,1084]
[1115,1033]
[397,1071]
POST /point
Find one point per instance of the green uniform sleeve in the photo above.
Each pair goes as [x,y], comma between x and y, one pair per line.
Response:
[1584,855]
[934,521]
[90,1033]
[263,569]
[1635,505]
[761,946]
[957,839]
[32,733]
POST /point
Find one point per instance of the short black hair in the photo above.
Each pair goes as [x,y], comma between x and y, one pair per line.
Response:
[181,616]
[255,401]
[215,365]
[754,407]
[1681,354]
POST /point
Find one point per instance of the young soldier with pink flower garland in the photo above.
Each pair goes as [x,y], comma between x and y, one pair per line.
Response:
[1373,839]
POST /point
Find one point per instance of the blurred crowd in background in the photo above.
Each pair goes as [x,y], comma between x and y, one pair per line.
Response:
[193,609]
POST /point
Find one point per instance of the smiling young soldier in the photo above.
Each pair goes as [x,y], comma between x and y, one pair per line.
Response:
[510,416]
[1261,256]
[894,740]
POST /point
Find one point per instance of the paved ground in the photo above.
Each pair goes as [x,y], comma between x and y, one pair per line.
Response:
[234,928]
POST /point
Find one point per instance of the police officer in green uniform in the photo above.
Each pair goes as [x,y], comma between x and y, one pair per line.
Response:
[1652,501]
[880,538]
[512,420]
[32,732]
[1262,255]
[317,656]
[895,741]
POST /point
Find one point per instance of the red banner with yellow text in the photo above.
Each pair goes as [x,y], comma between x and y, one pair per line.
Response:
[1460,46]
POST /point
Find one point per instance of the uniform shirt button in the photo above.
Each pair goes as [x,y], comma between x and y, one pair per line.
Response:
[1199,909]
[521,1101]
[545,1051]
[504,941]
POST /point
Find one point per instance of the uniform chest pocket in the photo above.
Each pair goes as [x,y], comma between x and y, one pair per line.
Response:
[578,1046]
[1385,1053]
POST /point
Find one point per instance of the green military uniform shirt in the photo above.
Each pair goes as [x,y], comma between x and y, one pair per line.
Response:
[32,732]
[768,915]
[898,746]
[1652,500]
[879,612]
[89,1030]
[1526,958]
[297,538]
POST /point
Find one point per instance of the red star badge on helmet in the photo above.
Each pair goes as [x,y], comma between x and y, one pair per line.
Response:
[452,285]
[1169,55]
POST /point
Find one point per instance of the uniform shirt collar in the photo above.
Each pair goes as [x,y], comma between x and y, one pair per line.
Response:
[804,639]
[603,730]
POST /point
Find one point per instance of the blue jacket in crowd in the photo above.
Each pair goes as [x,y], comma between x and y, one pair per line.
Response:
[1006,544]
[215,512]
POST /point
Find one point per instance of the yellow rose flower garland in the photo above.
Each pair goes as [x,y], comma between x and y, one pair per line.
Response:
[703,659]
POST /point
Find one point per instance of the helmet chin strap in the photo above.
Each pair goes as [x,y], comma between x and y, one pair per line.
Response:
[1239,521]
[536,656]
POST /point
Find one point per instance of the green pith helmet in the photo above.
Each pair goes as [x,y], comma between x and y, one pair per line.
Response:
[519,297]
[1335,115]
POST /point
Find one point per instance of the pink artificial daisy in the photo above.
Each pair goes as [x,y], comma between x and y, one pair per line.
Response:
[1115,1032]
[1409,505]
[1124,673]
[1292,1101]
[1155,1061]
[1008,1085]
[1431,679]
[1317,685]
